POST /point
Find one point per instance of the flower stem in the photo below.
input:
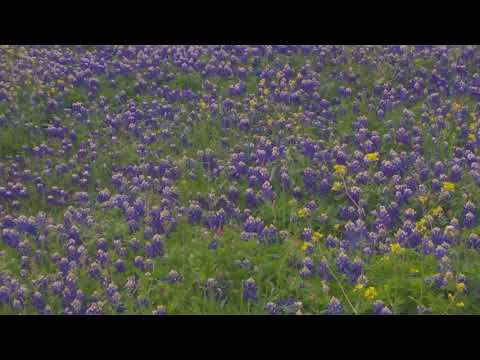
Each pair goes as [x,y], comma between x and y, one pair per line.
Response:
[343,291]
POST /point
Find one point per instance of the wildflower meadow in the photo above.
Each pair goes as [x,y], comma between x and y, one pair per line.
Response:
[237,180]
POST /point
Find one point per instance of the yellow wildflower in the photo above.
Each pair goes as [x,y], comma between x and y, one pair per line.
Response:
[448,186]
[317,236]
[423,199]
[472,137]
[472,126]
[460,304]
[438,211]
[370,293]
[460,287]
[203,105]
[301,213]
[337,186]
[340,169]
[359,286]
[421,226]
[266,92]
[372,156]
[396,248]
[306,246]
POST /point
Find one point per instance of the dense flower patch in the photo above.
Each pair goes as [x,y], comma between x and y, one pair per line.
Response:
[239,180]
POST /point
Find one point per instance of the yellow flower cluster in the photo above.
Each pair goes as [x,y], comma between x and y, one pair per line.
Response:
[317,236]
[303,212]
[421,225]
[370,293]
[337,186]
[460,287]
[372,156]
[423,199]
[340,169]
[358,287]
[396,248]
[306,246]
[438,211]
[448,186]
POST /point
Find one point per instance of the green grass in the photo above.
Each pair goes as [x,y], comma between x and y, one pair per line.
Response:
[187,82]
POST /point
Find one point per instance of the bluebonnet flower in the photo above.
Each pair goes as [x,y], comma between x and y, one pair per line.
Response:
[334,307]
[474,241]
[267,191]
[379,308]
[160,310]
[421,309]
[96,308]
[250,290]
[469,220]
[195,213]
[307,234]
[173,277]
[4,295]
[272,308]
